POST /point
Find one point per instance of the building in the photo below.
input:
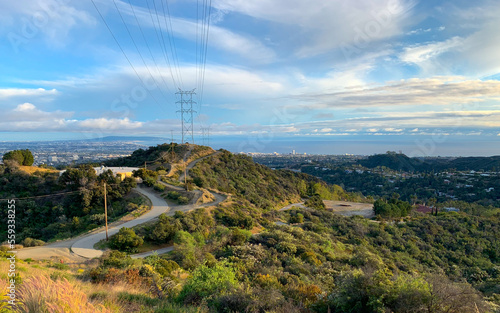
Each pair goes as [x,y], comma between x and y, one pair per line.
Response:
[424,209]
[451,209]
[121,172]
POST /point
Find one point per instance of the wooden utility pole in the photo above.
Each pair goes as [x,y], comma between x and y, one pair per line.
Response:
[106,211]
[172,145]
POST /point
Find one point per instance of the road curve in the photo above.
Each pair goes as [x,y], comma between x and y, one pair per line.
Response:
[84,247]
[81,248]
[193,163]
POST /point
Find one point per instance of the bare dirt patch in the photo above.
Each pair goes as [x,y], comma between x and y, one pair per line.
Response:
[350,208]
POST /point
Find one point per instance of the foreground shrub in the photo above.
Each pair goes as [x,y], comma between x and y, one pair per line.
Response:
[208,282]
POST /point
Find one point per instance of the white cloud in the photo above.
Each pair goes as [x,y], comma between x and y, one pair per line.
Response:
[445,90]
[319,26]
[219,37]
[474,53]
[27,117]
[23,92]
[393,130]
[51,19]
[420,53]
[108,124]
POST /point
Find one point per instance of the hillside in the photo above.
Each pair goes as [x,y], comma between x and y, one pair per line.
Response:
[263,187]
[246,255]
[472,163]
[75,204]
[162,154]
[395,161]
[398,161]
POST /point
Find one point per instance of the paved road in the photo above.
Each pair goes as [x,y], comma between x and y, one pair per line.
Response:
[298,205]
[193,163]
[81,248]
[85,246]
[145,254]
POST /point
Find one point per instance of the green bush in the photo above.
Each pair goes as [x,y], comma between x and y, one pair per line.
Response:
[126,240]
[30,242]
[174,195]
[208,282]
[115,259]
[149,181]
[159,187]
[182,200]
[315,202]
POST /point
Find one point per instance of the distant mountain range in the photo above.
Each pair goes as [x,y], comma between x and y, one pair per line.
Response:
[129,138]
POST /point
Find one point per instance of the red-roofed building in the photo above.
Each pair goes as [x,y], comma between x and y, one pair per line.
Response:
[424,209]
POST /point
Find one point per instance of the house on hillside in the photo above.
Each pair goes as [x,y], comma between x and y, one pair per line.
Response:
[121,172]
[424,209]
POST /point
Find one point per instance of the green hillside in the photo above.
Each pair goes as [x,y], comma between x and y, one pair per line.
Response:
[246,255]
[395,161]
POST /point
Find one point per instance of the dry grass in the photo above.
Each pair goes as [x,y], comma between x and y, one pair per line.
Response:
[31,169]
[42,294]
[48,290]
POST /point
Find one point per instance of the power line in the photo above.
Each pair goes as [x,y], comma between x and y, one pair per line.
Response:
[43,196]
[205,53]
[202,46]
[137,48]
[163,48]
[171,40]
[124,54]
[147,44]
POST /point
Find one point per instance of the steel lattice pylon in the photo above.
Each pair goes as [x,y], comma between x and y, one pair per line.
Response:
[186,111]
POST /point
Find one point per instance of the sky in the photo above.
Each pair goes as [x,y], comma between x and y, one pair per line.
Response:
[335,76]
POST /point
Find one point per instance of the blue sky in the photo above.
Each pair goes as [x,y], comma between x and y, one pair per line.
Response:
[425,73]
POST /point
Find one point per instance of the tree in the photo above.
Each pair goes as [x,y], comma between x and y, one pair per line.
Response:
[315,202]
[22,157]
[28,157]
[392,208]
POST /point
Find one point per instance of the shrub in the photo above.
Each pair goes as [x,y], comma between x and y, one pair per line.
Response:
[30,242]
[174,195]
[126,240]
[208,282]
[296,218]
[159,187]
[182,200]
[315,202]
[149,181]
[116,259]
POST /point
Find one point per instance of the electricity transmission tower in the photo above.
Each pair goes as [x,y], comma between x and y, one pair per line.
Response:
[205,133]
[187,111]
